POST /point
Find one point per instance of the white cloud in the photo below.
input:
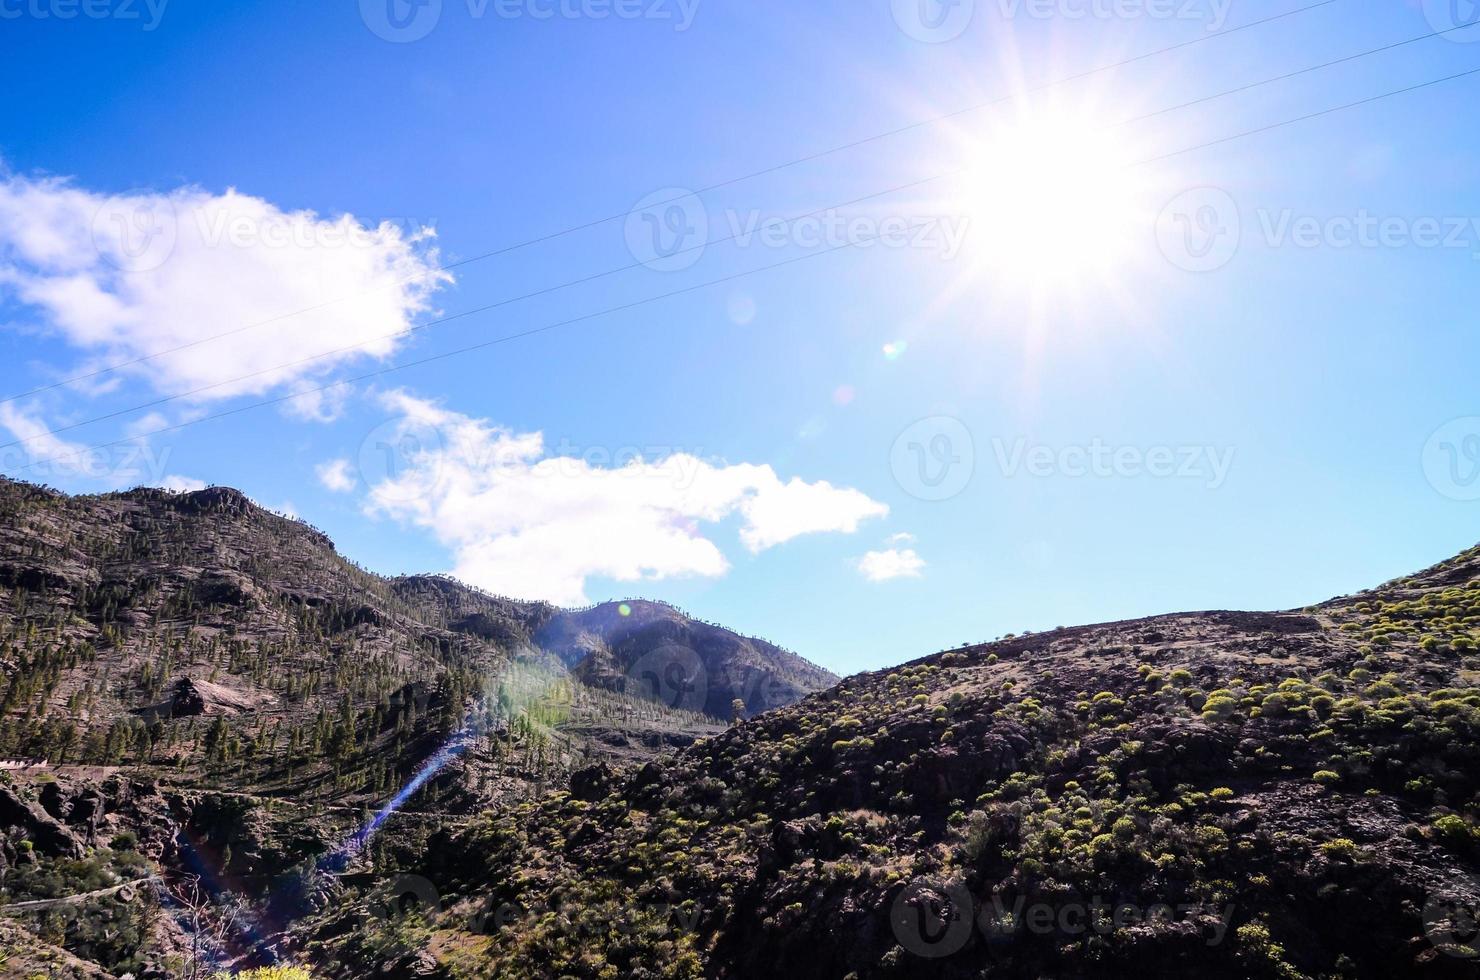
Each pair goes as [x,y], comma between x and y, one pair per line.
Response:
[779,512]
[891,563]
[36,442]
[145,424]
[38,454]
[125,277]
[317,403]
[337,475]
[523,522]
[182,484]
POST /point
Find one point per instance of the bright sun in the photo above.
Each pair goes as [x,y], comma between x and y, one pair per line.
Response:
[1053,199]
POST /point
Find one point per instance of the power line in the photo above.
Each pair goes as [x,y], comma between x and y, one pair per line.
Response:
[698,286]
[1314,115]
[452,353]
[706,244]
[775,168]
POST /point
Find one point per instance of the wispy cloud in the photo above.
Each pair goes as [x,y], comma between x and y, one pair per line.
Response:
[523,522]
[37,442]
[336,475]
[35,451]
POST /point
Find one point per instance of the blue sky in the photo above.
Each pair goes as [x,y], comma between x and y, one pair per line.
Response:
[1242,376]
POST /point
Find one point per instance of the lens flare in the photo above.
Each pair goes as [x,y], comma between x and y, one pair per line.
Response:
[340,858]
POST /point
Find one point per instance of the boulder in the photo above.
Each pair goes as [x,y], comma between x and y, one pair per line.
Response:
[39,827]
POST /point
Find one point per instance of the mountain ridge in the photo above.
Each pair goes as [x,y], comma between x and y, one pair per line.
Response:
[149,607]
[1241,795]
[1299,790]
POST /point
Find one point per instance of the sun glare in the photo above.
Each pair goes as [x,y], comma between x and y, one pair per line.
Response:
[1052,199]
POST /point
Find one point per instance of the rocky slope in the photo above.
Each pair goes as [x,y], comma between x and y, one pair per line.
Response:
[123,611]
[199,690]
[1222,794]
[655,651]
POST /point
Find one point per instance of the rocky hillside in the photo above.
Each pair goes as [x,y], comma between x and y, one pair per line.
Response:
[653,650]
[199,698]
[123,616]
[1230,795]
[649,649]
[1235,795]
[216,643]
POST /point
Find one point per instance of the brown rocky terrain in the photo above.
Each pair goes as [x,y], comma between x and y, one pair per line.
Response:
[127,611]
[1225,794]
[217,686]
[1222,794]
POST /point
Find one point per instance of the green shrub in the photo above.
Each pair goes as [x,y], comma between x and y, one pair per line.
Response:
[1452,830]
[1219,708]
